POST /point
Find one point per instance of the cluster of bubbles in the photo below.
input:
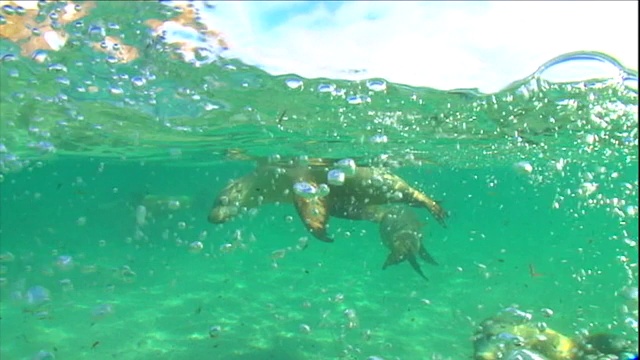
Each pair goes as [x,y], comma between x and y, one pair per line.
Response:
[341,170]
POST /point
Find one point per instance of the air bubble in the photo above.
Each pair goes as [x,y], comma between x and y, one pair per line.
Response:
[57,67]
[523,167]
[377,85]
[111,59]
[37,295]
[305,190]
[96,33]
[358,99]
[43,355]
[195,247]
[39,56]
[323,190]
[336,177]
[379,139]
[63,80]
[8,57]
[9,10]
[101,311]
[294,83]
[214,331]
[173,204]
[138,81]
[326,88]
[546,312]
[347,166]
[304,329]
[64,262]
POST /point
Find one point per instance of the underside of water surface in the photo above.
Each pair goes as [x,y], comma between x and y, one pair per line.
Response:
[115,142]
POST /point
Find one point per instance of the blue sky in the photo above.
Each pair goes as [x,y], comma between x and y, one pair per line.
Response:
[442,44]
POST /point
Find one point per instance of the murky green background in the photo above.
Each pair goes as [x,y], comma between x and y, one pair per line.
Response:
[76,167]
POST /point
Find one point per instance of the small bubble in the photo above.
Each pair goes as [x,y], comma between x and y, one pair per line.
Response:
[196,247]
[294,83]
[546,312]
[138,81]
[57,67]
[377,85]
[64,262]
[141,215]
[63,80]
[336,177]
[305,190]
[43,355]
[358,99]
[8,9]
[39,56]
[214,331]
[173,204]
[347,166]
[226,248]
[9,57]
[96,33]
[102,310]
[304,329]
[326,88]
[541,326]
[323,190]
[81,221]
[278,254]
[111,59]
[115,90]
[66,285]
[378,139]
[523,167]
[37,295]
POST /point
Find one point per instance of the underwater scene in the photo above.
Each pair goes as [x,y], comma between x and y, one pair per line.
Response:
[160,200]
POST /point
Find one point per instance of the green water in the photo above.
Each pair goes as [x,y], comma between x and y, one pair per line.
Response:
[76,166]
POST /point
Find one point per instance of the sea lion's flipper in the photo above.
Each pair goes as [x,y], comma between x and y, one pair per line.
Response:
[414,264]
[424,254]
[434,207]
[415,197]
[314,214]
[392,259]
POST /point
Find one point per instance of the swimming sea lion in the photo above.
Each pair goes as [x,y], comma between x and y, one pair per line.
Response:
[275,182]
[400,230]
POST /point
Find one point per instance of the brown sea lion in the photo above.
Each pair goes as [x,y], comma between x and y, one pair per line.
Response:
[288,181]
[401,233]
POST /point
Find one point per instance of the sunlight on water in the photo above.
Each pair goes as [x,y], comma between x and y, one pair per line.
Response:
[119,129]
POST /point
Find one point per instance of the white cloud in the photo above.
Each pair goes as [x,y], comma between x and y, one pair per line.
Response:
[437,44]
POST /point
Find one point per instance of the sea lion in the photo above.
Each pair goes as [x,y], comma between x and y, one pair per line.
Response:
[400,230]
[362,188]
